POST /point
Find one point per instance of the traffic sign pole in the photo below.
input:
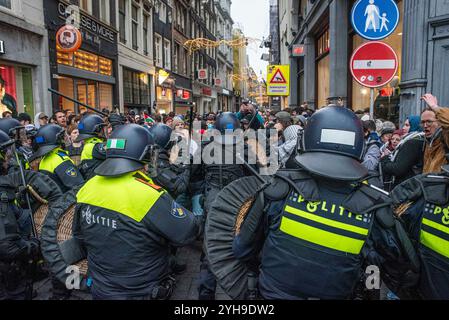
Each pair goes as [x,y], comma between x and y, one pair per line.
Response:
[371,107]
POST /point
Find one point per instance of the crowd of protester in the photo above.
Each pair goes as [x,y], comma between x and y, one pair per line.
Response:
[393,153]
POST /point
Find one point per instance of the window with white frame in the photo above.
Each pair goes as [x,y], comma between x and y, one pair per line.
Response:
[86,5]
[122,20]
[167,54]
[105,11]
[185,62]
[6,4]
[163,12]
[158,50]
[175,57]
[146,24]
[135,25]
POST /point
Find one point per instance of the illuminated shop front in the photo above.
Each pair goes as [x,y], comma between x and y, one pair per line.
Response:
[164,99]
[91,92]
[183,100]
[16,89]
[23,60]
[88,74]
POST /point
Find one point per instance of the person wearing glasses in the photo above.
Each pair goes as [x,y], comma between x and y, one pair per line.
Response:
[406,160]
[435,122]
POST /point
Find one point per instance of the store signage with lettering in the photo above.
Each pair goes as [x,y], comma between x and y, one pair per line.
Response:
[218,82]
[183,94]
[202,74]
[186,95]
[207,91]
[2,47]
[68,38]
[90,24]
[298,50]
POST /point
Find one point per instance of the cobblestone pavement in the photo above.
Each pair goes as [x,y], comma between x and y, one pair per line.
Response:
[186,287]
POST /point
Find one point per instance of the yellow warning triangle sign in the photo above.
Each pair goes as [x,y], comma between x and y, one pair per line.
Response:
[278,78]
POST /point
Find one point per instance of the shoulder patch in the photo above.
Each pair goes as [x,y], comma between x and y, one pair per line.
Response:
[71,172]
[177,211]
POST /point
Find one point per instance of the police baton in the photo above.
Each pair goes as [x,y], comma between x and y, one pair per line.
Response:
[22,175]
[77,102]
[266,182]
[251,169]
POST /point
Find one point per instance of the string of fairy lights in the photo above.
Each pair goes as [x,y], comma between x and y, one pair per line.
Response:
[193,45]
[245,74]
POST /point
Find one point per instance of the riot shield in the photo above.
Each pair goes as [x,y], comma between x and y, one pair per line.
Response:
[224,219]
[59,248]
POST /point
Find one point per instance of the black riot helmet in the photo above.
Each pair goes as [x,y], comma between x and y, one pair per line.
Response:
[333,145]
[116,120]
[227,121]
[5,141]
[47,139]
[10,126]
[161,134]
[14,129]
[90,126]
[128,149]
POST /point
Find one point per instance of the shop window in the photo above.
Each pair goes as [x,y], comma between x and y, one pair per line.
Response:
[66,87]
[8,89]
[136,88]
[386,98]
[164,99]
[16,89]
[27,87]
[323,69]
[92,93]
[105,95]
[323,81]
[144,91]
[127,86]
[85,61]
[323,46]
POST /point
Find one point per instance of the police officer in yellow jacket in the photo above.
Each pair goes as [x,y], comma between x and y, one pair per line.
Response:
[91,130]
[128,224]
[55,162]
[424,207]
[319,227]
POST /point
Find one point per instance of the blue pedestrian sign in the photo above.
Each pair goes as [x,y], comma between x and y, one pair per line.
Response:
[375,19]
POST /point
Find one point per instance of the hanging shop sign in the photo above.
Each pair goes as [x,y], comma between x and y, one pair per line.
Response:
[68,38]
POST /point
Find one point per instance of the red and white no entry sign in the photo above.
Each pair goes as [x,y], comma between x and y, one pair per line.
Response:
[374,64]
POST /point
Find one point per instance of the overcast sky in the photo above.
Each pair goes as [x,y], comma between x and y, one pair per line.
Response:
[253,17]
